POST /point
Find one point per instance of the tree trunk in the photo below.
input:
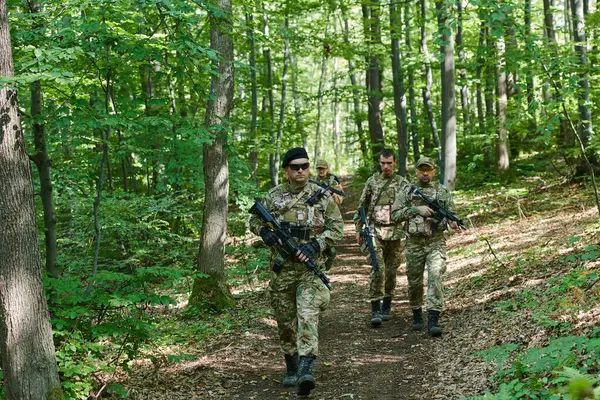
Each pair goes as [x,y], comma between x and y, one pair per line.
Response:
[356,101]
[398,85]
[253,157]
[529,75]
[298,109]
[412,127]
[371,19]
[43,164]
[320,105]
[284,77]
[336,118]
[464,91]
[428,83]
[579,37]
[448,99]
[213,290]
[27,349]
[273,167]
[502,157]
[480,65]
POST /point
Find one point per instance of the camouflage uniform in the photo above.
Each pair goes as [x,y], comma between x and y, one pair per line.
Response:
[334,182]
[387,233]
[426,244]
[297,295]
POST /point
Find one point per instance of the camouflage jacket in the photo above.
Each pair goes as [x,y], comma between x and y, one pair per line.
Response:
[334,182]
[288,205]
[404,209]
[378,205]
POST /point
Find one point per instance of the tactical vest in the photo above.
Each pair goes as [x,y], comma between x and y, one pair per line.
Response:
[301,220]
[419,225]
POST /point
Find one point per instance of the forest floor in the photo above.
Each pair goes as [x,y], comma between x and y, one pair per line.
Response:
[394,362]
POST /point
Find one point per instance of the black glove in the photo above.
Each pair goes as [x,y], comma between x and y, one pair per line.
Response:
[310,249]
[268,236]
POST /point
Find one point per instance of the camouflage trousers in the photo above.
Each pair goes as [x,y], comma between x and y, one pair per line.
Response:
[298,297]
[389,258]
[427,251]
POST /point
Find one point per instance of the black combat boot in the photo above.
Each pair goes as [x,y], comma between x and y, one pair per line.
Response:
[432,323]
[306,381]
[386,309]
[291,365]
[417,323]
[375,313]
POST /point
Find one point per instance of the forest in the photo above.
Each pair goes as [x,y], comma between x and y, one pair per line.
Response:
[135,135]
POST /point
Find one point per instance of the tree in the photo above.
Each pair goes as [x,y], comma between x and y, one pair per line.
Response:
[213,288]
[28,355]
[448,98]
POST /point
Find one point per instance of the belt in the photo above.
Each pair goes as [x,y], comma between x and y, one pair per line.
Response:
[299,232]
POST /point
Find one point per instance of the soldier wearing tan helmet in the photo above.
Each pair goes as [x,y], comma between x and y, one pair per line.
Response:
[327,178]
[425,244]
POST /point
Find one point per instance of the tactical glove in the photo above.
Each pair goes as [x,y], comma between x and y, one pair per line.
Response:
[268,236]
[310,249]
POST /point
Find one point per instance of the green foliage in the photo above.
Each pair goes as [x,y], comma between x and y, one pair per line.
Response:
[557,370]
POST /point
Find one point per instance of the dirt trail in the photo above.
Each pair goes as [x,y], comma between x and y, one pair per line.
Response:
[356,362]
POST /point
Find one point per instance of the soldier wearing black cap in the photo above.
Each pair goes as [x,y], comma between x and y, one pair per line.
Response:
[425,244]
[297,295]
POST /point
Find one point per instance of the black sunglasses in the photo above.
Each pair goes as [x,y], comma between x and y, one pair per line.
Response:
[298,167]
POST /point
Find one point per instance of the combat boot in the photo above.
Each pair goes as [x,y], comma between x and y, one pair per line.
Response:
[417,323]
[386,309]
[306,381]
[291,373]
[432,323]
[375,313]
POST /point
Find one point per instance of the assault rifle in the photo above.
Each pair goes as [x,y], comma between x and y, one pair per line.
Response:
[367,236]
[440,211]
[290,245]
[314,199]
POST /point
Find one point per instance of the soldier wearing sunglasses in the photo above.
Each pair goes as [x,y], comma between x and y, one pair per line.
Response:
[297,295]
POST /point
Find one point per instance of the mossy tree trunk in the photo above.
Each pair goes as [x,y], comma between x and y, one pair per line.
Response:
[212,291]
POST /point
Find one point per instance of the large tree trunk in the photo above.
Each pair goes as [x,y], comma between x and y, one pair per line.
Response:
[579,37]
[398,85]
[253,158]
[42,162]
[298,109]
[371,18]
[337,108]
[448,99]
[428,83]
[27,350]
[213,289]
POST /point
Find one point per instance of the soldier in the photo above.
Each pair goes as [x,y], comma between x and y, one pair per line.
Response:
[324,177]
[298,296]
[426,244]
[377,199]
